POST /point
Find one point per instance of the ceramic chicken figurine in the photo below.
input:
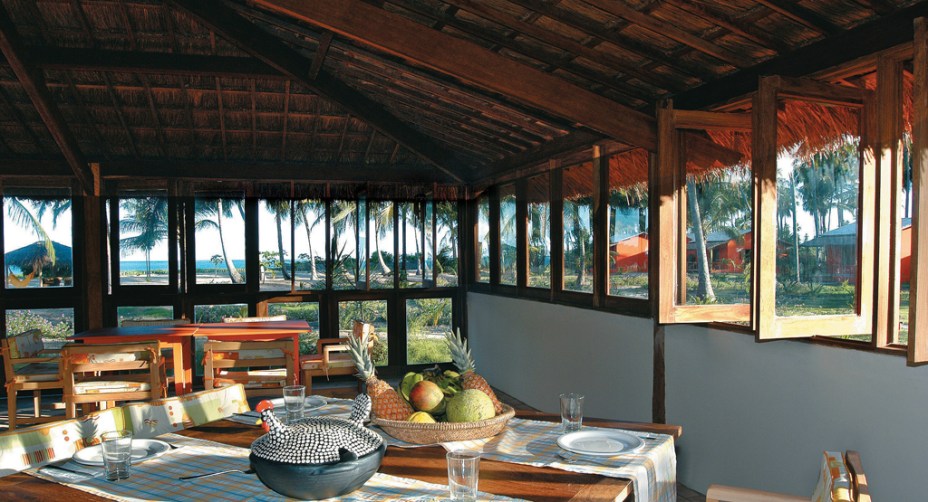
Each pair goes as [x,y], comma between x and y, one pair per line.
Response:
[316,440]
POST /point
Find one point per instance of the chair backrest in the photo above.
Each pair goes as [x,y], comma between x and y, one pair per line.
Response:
[155,322]
[141,373]
[256,365]
[23,349]
[859,485]
[360,328]
[841,478]
[255,319]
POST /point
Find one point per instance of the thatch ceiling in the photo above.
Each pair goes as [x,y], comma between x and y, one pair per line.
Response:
[150,81]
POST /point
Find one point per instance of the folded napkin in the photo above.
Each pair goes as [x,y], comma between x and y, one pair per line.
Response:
[71,472]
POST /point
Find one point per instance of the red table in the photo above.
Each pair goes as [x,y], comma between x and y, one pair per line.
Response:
[180,339]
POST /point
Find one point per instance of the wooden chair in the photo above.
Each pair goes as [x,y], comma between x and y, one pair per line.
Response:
[842,478]
[332,357]
[29,366]
[172,354]
[255,319]
[110,372]
[264,368]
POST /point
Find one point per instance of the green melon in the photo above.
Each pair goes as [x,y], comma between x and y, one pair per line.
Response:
[470,405]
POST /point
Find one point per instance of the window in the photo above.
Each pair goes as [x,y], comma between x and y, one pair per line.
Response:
[215,313]
[628,224]
[56,324]
[274,245]
[219,240]
[427,322]
[539,231]
[303,311]
[309,245]
[577,190]
[369,311]
[143,238]
[344,249]
[37,239]
[412,241]
[146,313]
[482,252]
[507,235]
[382,255]
[446,236]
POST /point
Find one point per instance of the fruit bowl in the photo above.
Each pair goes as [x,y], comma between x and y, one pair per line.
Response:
[440,432]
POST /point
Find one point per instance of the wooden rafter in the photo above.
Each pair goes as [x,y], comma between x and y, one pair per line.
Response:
[33,83]
[82,108]
[747,31]
[325,41]
[661,28]
[881,7]
[848,45]
[254,122]
[272,51]
[341,140]
[286,121]
[467,61]
[801,15]
[222,119]
[519,165]
[20,119]
[370,143]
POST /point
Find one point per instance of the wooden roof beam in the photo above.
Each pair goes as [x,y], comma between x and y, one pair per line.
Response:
[748,31]
[33,83]
[881,7]
[469,62]
[801,15]
[267,48]
[847,46]
[658,27]
[325,41]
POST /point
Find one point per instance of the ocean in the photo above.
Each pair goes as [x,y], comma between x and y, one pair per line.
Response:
[139,265]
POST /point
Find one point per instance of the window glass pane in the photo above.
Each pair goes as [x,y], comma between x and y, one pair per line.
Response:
[628,224]
[427,321]
[361,269]
[719,223]
[578,228]
[370,311]
[303,311]
[817,195]
[56,324]
[446,233]
[310,248]
[904,213]
[380,214]
[428,260]
[37,241]
[344,244]
[539,232]
[143,238]
[146,313]
[274,238]
[411,239]
[482,261]
[212,313]
[219,241]
[507,235]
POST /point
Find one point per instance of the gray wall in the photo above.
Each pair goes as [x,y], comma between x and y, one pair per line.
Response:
[755,415]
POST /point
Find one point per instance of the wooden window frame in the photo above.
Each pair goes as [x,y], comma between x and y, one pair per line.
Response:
[917,350]
[769,325]
[671,186]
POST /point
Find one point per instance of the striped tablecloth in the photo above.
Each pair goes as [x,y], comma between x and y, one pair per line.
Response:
[156,479]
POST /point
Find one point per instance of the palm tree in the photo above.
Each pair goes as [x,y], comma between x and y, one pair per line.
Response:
[446,217]
[310,212]
[280,208]
[579,235]
[22,216]
[148,216]
[704,283]
[208,208]
[383,220]
[344,214]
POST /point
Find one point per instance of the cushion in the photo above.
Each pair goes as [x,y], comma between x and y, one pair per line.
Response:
[106,387]
[834,482]
[26,344]
[114,357]
[249,354]
[255,319]
[253,379]
[38,445]
[36,372]
[335,361]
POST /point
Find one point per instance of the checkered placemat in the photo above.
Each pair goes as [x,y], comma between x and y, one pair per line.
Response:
[156,479]
[652,469]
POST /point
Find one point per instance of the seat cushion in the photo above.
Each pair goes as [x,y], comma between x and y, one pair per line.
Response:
[26,344]
[335,361]
[113,357]
[36,372]
[107,387]
[249,354]
[834,481]
[253,379]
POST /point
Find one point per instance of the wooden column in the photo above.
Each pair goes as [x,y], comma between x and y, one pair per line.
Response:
[600,227]
[918,290]
[94,257]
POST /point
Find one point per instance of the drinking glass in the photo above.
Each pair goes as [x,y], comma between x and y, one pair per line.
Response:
[571,412]
[463,472]
[117,454]
[294,398]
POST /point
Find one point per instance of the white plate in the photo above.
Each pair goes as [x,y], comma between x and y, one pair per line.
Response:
[142,449]
[599,442]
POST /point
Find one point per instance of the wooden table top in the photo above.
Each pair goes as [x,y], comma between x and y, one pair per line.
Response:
[424,463]
[202,329]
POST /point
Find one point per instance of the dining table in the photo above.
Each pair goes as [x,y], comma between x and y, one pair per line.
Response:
[180,339]
[424,464]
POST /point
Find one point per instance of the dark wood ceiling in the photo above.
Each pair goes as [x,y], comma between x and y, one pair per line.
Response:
[448,91]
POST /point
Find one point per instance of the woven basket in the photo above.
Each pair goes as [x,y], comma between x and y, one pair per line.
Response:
[419,433]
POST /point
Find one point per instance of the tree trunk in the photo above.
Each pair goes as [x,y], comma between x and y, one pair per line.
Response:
[280,248]
[383,266]
[704,286]
[233,272]
[792,179]
[312,258]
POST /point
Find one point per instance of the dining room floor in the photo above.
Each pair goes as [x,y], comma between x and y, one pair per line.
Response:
[340,389]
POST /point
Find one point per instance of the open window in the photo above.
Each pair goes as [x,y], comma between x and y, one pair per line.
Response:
[706,216]
[813,161]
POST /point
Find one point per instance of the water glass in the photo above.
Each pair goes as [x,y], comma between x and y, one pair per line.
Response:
[294,398]
[463,471]
[571,412]
[117,454]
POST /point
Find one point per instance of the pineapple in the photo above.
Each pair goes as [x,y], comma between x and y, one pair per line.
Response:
[460,355]
[386,403]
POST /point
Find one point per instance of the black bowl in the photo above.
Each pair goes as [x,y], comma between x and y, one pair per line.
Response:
[317,481]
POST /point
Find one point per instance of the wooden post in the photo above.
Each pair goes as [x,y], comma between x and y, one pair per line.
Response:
[93,253]
[600,218]
[918,289]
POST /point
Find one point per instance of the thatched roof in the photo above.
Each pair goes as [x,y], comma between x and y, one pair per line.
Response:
[144,81]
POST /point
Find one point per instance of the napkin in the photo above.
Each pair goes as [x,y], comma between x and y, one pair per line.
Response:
[71,472]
